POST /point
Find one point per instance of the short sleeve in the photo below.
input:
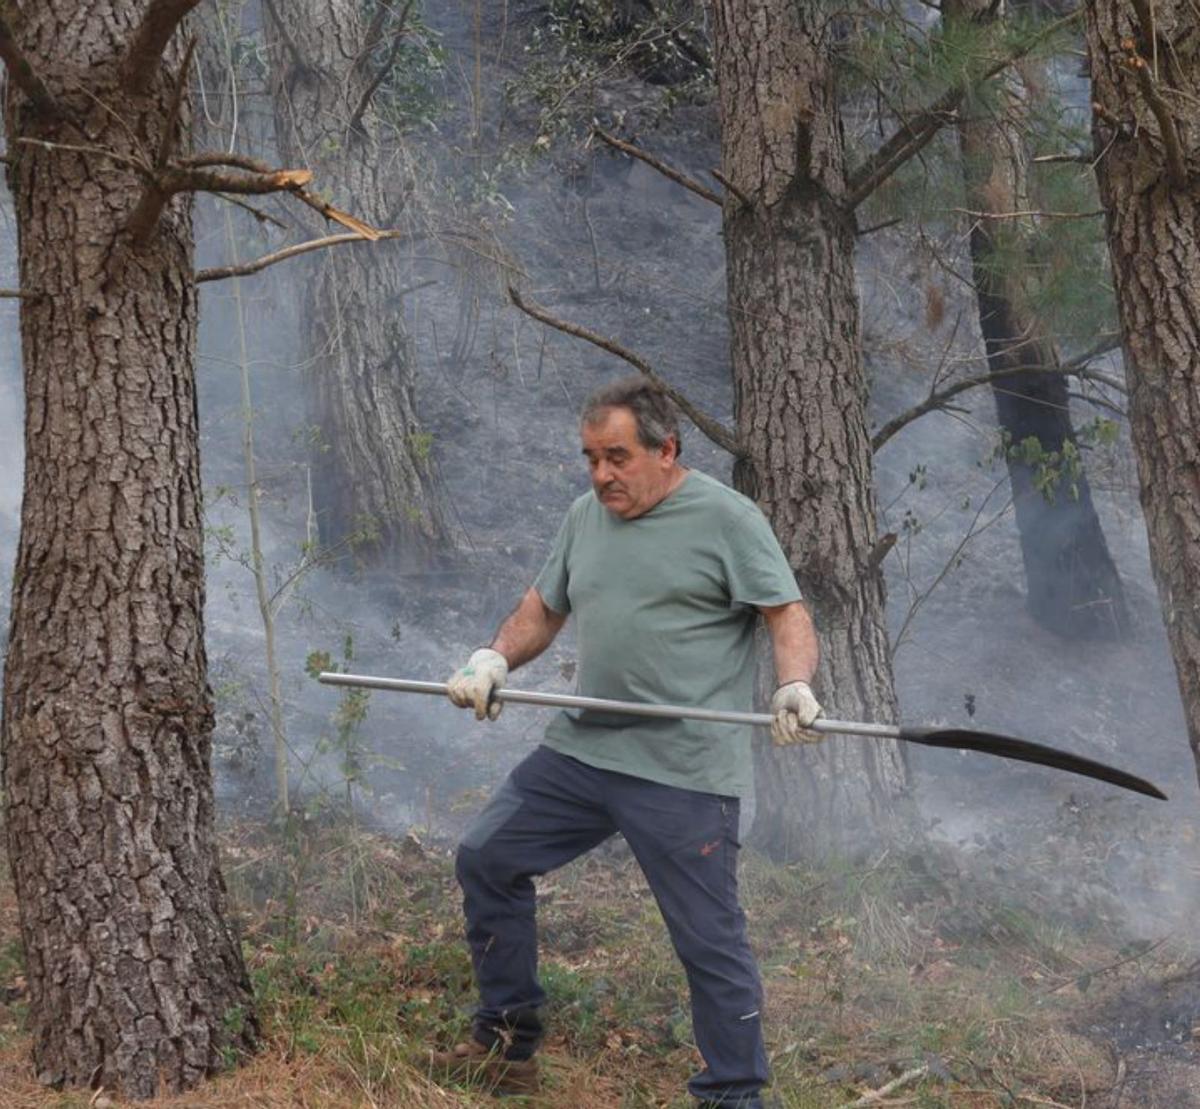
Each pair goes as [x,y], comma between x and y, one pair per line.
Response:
[759,573]
[553,579]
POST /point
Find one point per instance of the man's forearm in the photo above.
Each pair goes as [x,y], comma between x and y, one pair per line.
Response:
[793,642]
[529,629]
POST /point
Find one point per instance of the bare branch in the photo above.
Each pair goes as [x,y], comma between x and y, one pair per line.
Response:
[864,231]
[1047,159]
[289,43]
[257,213]
[16,294]
[938,400]
[96,151]
[158,25]
[21,73]
[219,273]
[1027,214]
[913,135]
[723,437]
[730,186]
[144,220]
[384,69]
[373,35]
[674,174]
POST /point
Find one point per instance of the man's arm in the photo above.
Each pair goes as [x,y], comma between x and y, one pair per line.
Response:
[793,642]
[528,630]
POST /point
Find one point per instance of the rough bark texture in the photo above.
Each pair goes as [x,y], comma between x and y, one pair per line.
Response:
[371,470]
[800,407]
[135,974]
[1072,583]
[1154,236]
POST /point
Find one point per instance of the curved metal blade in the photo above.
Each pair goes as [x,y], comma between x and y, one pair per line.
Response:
[1022,750]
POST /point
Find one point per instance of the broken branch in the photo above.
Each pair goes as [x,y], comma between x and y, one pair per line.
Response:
[716,431]
[673,174]
[150,40]
[251,184]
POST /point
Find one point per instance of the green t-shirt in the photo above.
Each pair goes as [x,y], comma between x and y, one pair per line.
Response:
[665,608]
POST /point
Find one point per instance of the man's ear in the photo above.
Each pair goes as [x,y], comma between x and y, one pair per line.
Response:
[669,448]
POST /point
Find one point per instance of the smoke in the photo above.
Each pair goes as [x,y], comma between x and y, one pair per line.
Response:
[608,243]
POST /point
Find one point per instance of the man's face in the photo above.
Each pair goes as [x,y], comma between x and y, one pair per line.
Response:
[629,479]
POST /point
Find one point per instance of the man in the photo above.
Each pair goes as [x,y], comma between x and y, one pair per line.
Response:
[665,571]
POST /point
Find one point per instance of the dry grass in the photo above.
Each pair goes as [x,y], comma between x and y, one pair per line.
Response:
[871,973]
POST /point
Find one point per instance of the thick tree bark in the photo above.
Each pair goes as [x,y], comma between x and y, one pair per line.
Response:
[800,407]
[1073,586]
[135,973]
[1147,139]
[371,472]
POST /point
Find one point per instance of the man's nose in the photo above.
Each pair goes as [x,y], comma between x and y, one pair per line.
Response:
[601,472]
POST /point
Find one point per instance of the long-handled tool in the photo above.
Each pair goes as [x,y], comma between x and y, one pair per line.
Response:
[989,743]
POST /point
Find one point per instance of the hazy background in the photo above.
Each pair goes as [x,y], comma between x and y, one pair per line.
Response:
[612,245]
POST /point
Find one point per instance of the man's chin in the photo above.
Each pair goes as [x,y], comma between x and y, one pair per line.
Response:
[618,505]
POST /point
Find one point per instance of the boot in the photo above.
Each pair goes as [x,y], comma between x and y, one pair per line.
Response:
[486,1066]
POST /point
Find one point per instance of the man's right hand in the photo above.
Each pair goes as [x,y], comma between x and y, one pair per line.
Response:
[474,685]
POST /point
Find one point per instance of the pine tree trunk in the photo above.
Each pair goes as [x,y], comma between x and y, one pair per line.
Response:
[135,973]
[1153,220]
[1073,586]
[800,409]
[371,474]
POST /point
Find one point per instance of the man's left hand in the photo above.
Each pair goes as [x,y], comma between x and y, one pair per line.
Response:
[793,709]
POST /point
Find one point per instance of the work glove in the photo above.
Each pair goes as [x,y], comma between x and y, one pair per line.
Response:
[474,684]
[793,709]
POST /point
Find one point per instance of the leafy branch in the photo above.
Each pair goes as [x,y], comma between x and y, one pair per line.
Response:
[913,135]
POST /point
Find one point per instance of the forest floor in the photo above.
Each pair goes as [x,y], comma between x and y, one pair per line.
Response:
[889,983]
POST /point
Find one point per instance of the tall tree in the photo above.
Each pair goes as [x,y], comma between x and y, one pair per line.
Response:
[1073,586]
[371,476]
[800,403]
[1145,68]
[135,973]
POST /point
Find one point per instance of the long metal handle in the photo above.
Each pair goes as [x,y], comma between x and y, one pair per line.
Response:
[599,704]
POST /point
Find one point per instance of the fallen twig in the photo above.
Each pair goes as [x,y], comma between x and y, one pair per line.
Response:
[874,1097]
[1089,974]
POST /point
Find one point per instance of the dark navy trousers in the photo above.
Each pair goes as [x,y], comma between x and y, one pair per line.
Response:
[553,808]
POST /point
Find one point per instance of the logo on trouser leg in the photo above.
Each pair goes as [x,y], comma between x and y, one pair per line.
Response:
[709,848]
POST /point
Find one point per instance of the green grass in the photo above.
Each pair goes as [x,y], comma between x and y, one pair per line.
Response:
[354,944]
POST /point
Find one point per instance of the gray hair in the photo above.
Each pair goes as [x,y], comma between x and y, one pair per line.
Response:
[653,412]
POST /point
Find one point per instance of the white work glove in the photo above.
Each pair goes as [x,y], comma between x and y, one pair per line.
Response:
[472,686]
[793,709]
